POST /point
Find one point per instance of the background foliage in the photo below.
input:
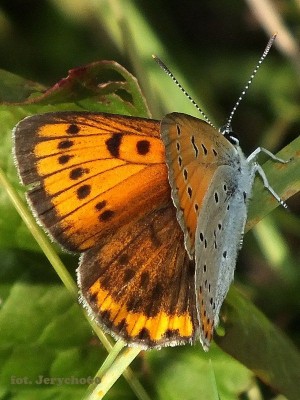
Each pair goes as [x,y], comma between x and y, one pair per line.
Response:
[212,49]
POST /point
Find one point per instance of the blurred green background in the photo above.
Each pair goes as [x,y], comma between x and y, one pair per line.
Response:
[212,47]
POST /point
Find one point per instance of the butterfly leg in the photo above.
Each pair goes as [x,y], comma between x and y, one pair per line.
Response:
[263,150]
[258,169]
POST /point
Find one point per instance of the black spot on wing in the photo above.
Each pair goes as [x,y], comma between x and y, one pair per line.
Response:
[143,147]
[195,146]
[106,215]
[204,149]
[100,205]
[65,144]
[113,144]
[83,192]
[185,174]
[77,173]
[73,129]
[64,159]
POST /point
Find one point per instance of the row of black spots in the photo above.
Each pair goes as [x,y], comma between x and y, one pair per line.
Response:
[194,146]
[100,205]
[207,285]
[73,129]
[65,144]
[212,303]
[224,254]
[202,239]
[106,319]
[185,174]
[196,207]
[105,215]
[157,291]
[78,173]
[133,303]
[129,273]
[177,146]
[204,149]
[64,159]
[216,197]
[144,335]
[83,192]
[113,144]
[123,259]
[105,281]
[171,333]
[144,279]
[215,240]
[122,326]
[92,298]
[245,196]
[180,161]
[143,147]
[189,191]
[178,130]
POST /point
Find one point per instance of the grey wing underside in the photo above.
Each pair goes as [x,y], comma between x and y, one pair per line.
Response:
[218,238]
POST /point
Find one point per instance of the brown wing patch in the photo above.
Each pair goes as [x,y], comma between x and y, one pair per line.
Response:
[140,283]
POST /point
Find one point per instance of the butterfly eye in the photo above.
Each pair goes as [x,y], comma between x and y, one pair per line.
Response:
[228,133]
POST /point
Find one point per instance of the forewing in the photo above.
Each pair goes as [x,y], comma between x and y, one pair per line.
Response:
[193,153]
[90,172]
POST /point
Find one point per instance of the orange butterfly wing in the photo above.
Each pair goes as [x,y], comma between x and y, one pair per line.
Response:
[100,187]
[185,157]
[140,284]
[91,172]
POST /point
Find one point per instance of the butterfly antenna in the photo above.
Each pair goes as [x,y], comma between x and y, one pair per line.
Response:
[168,72]
[266,51]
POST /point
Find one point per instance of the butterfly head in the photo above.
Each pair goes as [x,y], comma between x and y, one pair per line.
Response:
[228,133]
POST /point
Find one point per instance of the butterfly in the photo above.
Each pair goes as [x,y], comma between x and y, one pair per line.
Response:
[157,209]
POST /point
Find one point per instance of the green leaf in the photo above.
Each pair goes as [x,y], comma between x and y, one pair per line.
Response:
[43,332]
[191,374]
[260,346]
